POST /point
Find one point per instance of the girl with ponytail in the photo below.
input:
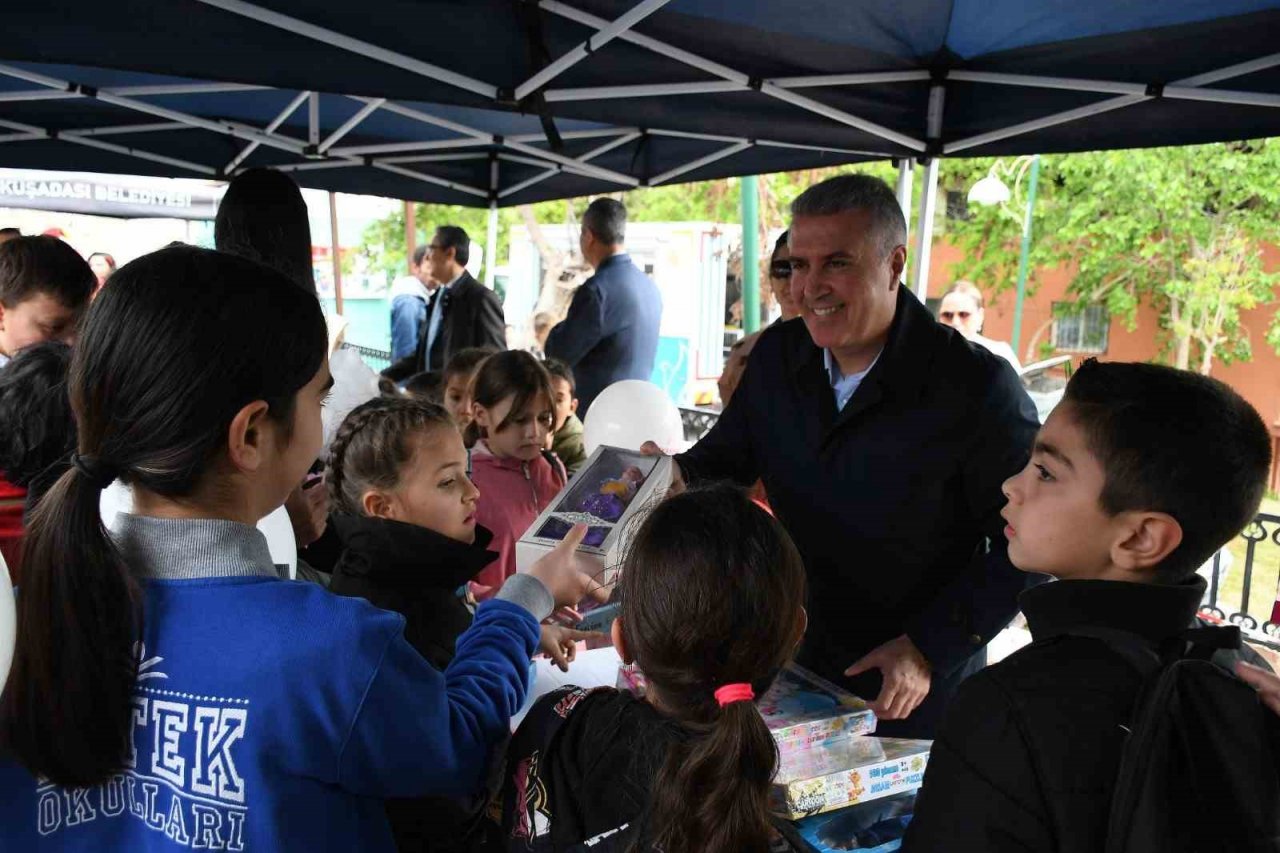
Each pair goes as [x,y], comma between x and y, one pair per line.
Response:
[168,689]
[712,609]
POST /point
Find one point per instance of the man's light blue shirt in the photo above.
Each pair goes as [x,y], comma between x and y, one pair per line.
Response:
[844,386]
[437,314]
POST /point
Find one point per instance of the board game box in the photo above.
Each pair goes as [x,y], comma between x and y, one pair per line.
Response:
[872,827]
[801,710]
[847,772]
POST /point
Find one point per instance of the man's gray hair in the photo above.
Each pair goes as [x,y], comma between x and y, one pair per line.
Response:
[607,219]
[857,192]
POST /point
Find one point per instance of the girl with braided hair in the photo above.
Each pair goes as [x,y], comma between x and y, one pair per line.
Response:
[168,689]
[405,511]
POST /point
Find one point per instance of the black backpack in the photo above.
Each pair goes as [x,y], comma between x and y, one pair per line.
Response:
[1200,771]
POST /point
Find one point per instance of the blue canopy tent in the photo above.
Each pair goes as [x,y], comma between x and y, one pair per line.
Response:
[469,102]
[500,102]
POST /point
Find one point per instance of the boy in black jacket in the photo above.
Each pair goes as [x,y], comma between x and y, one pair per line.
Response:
[1135,480]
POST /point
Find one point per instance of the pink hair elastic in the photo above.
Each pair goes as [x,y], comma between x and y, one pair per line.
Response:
[731,693]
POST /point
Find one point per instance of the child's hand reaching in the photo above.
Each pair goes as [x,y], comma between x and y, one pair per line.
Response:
[562,571]
[560,643]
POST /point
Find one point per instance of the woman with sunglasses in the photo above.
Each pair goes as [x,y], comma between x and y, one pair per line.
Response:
[962,310]
[780,279]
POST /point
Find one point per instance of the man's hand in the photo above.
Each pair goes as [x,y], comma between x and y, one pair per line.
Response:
[906,676]
[1266,683]
[308,508]
[560,643]
[650,448]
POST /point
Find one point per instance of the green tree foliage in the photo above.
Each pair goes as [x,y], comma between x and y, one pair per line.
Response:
[1179,228]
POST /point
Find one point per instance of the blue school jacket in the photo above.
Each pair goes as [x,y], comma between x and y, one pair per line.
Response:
[271,715]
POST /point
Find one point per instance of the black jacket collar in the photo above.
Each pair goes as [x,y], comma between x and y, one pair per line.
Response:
[1153,611]
[901,372]
[394,552]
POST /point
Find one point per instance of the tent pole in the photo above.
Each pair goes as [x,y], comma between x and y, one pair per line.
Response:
[924,230]
[410,234]
[750,254]
[491,232]
[491,246]
[906,171]
[335,252]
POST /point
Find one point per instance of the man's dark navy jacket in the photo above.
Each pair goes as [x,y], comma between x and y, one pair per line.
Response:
[893,502]
[611,330]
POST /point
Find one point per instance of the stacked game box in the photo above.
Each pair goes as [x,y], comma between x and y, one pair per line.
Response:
[846,773]
[872,827]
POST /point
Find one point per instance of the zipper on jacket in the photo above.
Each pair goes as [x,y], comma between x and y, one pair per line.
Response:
[533,490]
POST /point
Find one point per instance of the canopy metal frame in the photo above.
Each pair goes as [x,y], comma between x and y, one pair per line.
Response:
[323,146]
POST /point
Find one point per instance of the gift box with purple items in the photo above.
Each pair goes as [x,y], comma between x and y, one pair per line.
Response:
[611,489]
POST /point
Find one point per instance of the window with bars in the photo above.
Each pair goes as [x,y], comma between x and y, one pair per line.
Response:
[1080,329]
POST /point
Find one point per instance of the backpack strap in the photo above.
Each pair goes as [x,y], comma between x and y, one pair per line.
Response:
[1137,651]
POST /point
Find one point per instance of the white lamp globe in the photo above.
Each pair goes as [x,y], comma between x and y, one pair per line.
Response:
[989,191]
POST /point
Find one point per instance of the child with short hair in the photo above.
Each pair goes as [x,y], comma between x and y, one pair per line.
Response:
[1137,477]
[428,386]
[567,436]
[37,435]
[405,511]
[512,414]
[458,376]
[712,593]
[167,658]
[44,288]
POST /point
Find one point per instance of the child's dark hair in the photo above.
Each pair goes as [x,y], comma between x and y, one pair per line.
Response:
[180,343]
[1175,442]
[374,444]
[711,589]
[505,374]
[37,428]
[465,362]
[559,370]
[31,265]
[428,385]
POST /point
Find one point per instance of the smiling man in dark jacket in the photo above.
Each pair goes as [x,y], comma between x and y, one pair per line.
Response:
[882,439]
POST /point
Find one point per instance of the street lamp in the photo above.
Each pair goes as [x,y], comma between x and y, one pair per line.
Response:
[991,190]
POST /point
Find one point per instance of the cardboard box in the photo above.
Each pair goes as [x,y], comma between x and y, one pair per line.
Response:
[842,774]
[609,494]
[801,710]
[872,827]
[804,711]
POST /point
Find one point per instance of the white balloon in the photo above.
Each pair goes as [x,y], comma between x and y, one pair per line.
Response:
[629,413]
[8,622]
[117,498]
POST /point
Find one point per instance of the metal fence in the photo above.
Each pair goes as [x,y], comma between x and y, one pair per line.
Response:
[1258,537]
[377,359]
[1222,601]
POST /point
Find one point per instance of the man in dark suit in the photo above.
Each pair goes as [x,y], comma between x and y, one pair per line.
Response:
[882,438]
[463,312]
[611,330]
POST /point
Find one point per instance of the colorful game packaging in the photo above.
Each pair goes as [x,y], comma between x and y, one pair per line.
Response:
[803,711]
[846,772]
[873,827]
